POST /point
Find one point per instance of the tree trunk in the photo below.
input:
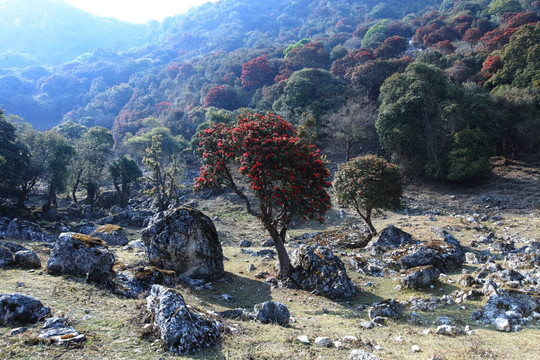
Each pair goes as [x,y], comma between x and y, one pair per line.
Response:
[284,261]
[370,225]
[21,197]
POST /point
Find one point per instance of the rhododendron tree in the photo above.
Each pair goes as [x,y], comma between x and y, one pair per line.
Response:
[368,183]
[285,175]
[256,73]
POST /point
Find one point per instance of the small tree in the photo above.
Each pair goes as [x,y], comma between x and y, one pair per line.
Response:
[368,183]
[285,175]
[124,172]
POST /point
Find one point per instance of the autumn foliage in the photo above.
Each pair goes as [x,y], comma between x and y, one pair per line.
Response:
[285,174]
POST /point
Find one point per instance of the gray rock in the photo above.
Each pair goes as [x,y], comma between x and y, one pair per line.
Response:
[502,324]
[18,331]
[86,228]
[304,339]
[390,308]
[251,267]
[514,306]
[55,330]
[441,255]
[12,246]
[320,271]
[272,312]
[368,266]
[182,329]
[389,238]
[420,277]
[323,341]
[27,259]
[26,230]
[449,330]
[81,255]
[6,257]
[184,240]
[357,354]
[245,243]
[111,234]
[17,308]
[133,281]
[239,314]
[268,243]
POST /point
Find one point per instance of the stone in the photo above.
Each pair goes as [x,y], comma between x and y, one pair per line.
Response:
[268,243]
[390,308]
[303,339]
[245,243]
[420,277]
[349,339]
[236,314]
[368,266]
[6,257]
[440,254]
[85,228]
[320,271]
[390,238]
[133,281]
[26,259]
[184,240]
[513,306]
[81,255]
[449,330]
[358,354]
[55,330]
[502,324]
[272,312]
[251,268]
[182,328]
[17,308]
[18,331]
[323,341]
[27,230]
[111,234]
[415,348]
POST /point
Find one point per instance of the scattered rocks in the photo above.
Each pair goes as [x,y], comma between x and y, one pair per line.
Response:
[362,355]
[184,240]
[323,341]
[390,308]
[81,255]
[420,277]
[111,234]
[272,312]
[320,271]
[17,308]
[368,266]
[182,328]
[449,330]
[26,230]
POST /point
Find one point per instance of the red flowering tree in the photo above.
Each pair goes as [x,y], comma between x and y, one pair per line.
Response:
[256,73]
[391,47]
[223,97]
[286,176]
[491,65]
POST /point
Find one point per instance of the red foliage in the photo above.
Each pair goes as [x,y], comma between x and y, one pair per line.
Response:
[186,70]
[491,65]
[445,47]
[257,73]
[172,70]
[220,96]
[515,20]
[472,35]
[496,39]
[391,47]
[343,67]
[311,55]
[285,174]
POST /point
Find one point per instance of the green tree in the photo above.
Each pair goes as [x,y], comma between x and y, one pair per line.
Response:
[368,183]
[14,157]
[93,151]
[60,155]
[498,7]
[165,176]
[286,176]
[124,172]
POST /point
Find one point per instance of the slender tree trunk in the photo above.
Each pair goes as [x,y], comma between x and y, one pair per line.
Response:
[21,197]
[284,261]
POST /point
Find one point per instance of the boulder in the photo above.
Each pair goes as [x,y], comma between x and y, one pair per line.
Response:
[323,341]
[368,265]
[390,238]
[272,312]
[81,255]
[86,228]
[390,308]
[441,255]
[17,308]
[111,234]
[184,240]
[26,230]
[26,259]
[133,281]
[359,354]
[182,329]
[320,271]
[57,331]
[420,277]
[6,257]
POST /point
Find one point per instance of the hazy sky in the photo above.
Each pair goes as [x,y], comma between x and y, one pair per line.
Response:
[138,11]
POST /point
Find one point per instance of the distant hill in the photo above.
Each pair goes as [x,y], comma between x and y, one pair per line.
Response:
[51,32]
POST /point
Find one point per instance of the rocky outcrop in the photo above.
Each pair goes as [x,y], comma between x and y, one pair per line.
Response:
[81,255]
[320,271]
[272,312]
[131,282]
[55,330]
[17,308]
[420,277]
[17,256]
[390,238]
[182,329]
[111,234]
[184,240]
[390,308]
[26,230]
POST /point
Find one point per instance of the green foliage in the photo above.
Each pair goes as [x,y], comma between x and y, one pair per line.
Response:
[14,156]
[298,44]
[499,7]
[70,130]
[368,183]
[170,144]
[375,35]
[60,155]
[124,172]
[469,157]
